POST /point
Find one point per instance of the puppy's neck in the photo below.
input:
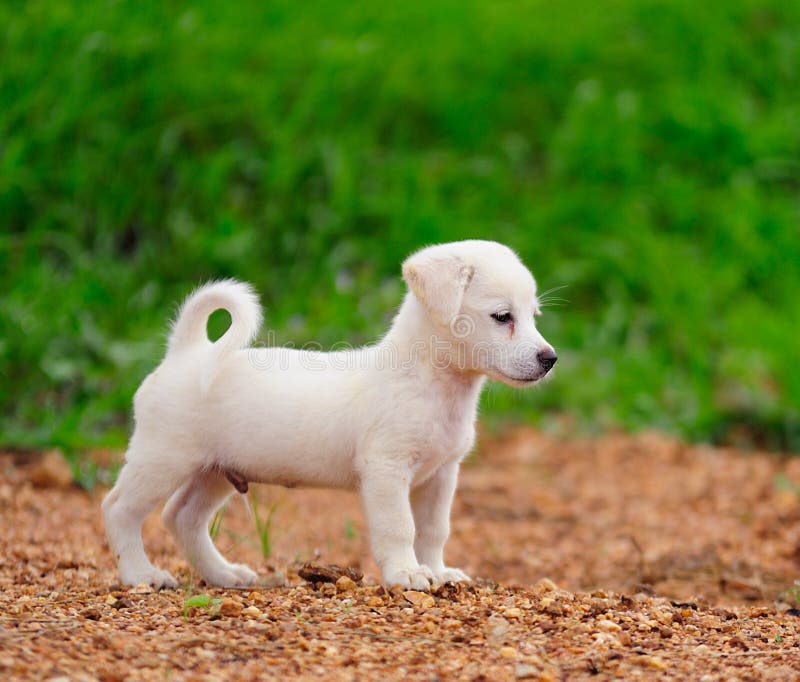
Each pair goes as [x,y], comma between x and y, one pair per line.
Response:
[418,344]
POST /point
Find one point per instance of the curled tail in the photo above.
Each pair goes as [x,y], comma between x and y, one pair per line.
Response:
[238,298]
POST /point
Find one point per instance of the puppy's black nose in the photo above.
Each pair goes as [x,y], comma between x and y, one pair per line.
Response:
[547,358]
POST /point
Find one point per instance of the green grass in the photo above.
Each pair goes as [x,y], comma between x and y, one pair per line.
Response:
[645,154]
[216,523]
[201,601]
[263,524]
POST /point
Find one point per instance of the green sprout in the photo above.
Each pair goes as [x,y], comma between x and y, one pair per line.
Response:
[263,525]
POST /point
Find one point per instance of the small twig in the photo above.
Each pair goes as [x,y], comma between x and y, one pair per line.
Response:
[640,553]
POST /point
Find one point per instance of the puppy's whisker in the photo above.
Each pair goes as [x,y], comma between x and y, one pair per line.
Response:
[553,301]
[552,290]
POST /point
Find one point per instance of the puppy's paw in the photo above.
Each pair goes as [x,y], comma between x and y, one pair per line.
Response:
[246,575]
[450,575]
[231,575]
[155,577]
[416,578]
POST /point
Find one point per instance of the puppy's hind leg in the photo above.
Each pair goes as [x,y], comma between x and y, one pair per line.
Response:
[137,492]
[187,515]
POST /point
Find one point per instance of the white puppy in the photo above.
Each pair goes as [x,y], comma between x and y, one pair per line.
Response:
[393,420]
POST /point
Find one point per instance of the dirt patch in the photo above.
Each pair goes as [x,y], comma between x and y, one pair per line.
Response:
[614,557]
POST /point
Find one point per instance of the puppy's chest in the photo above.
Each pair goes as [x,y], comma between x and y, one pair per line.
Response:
[444,440]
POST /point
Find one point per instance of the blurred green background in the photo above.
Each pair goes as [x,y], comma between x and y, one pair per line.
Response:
[643,154]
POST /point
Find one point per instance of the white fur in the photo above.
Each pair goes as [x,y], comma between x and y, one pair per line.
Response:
[394,419]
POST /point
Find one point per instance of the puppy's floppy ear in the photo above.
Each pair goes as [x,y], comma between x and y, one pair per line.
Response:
[438,280]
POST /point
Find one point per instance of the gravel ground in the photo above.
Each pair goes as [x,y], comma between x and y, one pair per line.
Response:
[610,558]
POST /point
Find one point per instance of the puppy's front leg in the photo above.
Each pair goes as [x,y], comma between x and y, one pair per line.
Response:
[431,503]
[385,492]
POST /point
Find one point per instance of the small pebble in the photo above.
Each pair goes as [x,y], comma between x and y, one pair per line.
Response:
[51,471]
[653,662]
[345,584]
[421,599]
[545,585]
[230,608]
[496,629]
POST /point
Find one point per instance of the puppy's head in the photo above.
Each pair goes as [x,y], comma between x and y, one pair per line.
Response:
[481,299]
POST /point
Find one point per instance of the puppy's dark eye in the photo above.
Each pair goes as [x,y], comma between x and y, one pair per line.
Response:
[502,318]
